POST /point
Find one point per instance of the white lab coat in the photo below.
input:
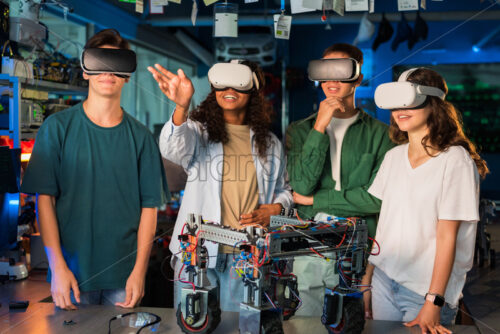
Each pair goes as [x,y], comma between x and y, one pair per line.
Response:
[188,146]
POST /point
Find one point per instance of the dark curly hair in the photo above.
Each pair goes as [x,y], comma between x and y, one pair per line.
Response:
[444,122]
[258,115]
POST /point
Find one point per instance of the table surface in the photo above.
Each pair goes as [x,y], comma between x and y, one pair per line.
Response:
[45,318]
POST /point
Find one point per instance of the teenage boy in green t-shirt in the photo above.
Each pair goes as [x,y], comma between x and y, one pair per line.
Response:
[333,157]
[98,176]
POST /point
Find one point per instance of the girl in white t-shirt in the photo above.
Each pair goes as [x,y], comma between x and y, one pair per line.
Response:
[429,187]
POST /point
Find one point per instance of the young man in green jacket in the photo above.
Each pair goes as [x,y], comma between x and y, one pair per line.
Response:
[333,157]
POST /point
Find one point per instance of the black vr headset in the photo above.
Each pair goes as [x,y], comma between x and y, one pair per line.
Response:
[120,62]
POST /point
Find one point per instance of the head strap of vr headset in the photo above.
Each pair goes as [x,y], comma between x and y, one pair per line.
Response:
[254,75]
[424,90]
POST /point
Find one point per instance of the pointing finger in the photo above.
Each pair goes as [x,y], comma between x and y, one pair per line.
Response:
[164,71]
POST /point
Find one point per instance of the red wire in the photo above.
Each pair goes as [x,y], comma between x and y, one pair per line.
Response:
[344,274]
[180,271]
[341,241]
[321,255]
[378,246]
[259,263]
[193,329]
[298,217]
[180,280]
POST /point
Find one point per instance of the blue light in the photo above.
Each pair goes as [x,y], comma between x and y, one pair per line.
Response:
[14,202]
[476,48]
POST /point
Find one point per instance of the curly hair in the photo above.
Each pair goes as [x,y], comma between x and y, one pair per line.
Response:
[444,121]
[257,116]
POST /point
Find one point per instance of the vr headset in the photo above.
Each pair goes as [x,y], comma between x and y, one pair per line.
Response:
[233,75]
[120,62]
[334,69]
[403,94]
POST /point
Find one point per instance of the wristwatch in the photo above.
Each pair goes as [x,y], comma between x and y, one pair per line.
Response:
[434,298]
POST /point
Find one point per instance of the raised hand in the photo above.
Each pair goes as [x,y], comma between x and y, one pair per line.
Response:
[177,87]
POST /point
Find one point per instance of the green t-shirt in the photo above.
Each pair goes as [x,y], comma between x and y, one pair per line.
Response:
[101,178]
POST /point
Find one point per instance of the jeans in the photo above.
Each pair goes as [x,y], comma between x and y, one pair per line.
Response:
[100,297]
[230,289]
[392,301]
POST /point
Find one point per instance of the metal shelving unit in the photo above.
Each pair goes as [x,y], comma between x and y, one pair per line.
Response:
[13,86]
[53,87]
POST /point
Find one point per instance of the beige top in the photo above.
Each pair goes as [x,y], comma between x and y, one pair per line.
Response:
[240,192]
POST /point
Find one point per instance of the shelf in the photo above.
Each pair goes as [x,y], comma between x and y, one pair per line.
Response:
[53,87]
[48,86]
[27,135]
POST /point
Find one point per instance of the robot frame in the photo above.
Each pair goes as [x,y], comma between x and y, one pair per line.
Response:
[263,261]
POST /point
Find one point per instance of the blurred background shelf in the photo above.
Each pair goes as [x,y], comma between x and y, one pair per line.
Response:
[48,86]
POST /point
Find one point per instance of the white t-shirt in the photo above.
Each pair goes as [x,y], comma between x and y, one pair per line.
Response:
[413,200]
[336,131]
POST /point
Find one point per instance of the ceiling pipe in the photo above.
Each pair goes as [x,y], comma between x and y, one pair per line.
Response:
[311,19]
[195,48]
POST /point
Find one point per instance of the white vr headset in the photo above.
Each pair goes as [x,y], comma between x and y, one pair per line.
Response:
[233,75]
[334,69]
[403,94]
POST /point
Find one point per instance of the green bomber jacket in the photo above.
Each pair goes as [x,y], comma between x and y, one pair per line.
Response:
[310,171]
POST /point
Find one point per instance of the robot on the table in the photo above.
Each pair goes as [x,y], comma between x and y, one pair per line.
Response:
[263,260]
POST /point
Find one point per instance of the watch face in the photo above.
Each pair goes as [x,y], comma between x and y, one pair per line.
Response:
[435,299]
[438,301]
